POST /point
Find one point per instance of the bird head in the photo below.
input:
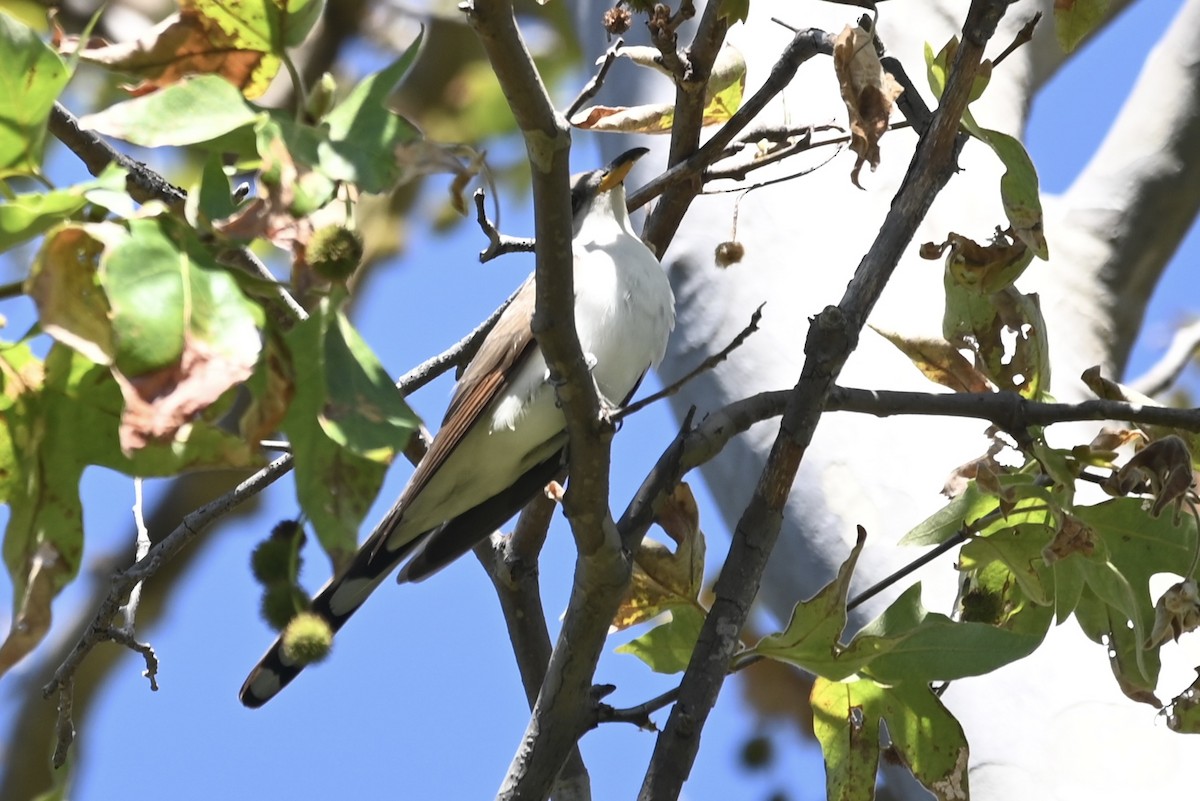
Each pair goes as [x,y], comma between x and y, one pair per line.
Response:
[603,190]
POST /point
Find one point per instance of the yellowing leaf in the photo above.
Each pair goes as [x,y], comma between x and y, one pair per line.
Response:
[663,580]
[939,361]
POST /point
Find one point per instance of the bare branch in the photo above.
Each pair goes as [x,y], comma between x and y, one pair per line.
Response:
[593,86]
[142,183]
[679,183]
[565,708]
[707,364]
[498,243]
[100,629]
[512,565]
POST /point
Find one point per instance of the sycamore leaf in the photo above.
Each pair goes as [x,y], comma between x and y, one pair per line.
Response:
[1019,548]
[664,580]
[1075,19]
[899,645]
[1018,189]
[667,648]
[939,361]
[1116,605]
[647,119]
[982,268]
[811,638]
[868,92]
[1007,332]
[183,44]
[924,735]
[363,133]
[239,40]
[342,451]
[722,97]
[1019,184]
[940,526]
[57,419]
[151,302]
[31,80]
[197,109]
[25,216]
[1111,390]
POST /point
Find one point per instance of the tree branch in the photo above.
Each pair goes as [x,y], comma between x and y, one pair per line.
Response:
[679,184]
[832,337]
[101,628]
[564,709]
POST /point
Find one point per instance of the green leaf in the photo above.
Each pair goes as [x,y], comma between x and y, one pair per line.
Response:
[168,294]
[667,648]
[811,638]
[909,643]
[340,459]
[1136,546]
[1019,548]
[198,109]
[212,198]
[924,735]
[57,419]
[363,410]
[151,301]
[25,216]
[849,737]
[1018,189]
[364,133]
[32,79]
[1075,19]
[950,519]
[663,579]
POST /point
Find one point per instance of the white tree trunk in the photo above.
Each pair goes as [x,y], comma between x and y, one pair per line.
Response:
[1054,726]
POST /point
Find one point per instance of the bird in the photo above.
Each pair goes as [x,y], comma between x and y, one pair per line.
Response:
[503,437]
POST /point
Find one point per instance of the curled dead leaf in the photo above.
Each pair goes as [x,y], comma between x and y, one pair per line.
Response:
[1074,536]
[1163,469]
[868,91]
[1176,613]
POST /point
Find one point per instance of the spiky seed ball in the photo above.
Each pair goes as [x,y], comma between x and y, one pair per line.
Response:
[728,253]
[271,562]
[307,639]
[334,252]
[280,603]
[617,20]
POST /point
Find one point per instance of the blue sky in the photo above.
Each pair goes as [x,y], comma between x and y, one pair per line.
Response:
[421,698]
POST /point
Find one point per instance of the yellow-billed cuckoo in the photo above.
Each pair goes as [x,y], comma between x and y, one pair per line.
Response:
[503,435]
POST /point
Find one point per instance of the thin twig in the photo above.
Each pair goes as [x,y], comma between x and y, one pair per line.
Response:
[593,86]
[457,355]
[100,629]
[498,243]
[707,364]
[1023,37]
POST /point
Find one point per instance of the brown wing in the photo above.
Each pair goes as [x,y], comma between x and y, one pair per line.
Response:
[486,376]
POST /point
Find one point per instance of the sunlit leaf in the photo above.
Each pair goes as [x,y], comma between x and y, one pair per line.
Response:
[31,80]
[668,647]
